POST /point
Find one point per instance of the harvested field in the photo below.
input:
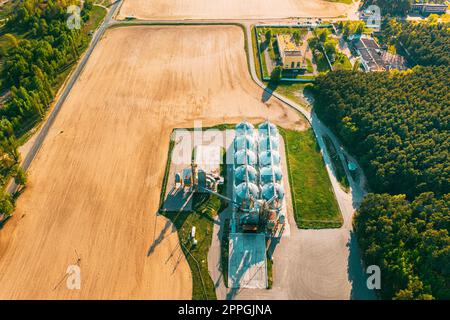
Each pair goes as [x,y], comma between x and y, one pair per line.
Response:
[230,9]
[94,187]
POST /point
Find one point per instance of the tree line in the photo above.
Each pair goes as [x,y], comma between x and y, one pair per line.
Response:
[45,48]
[426,44]
[398,125]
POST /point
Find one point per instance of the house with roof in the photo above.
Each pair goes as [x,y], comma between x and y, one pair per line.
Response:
[291,53]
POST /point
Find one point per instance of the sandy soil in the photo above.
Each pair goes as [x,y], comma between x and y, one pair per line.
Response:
[230,9]
[94,186]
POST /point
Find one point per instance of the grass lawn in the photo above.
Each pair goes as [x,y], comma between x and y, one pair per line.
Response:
[97,15]
[315,205]
[309,66]
[255,54]
[342,63]
[337,165]
[292,91]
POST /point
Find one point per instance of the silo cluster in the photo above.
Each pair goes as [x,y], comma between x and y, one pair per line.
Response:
[257,176]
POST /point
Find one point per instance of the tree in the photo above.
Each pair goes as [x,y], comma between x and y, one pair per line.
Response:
[393,233]
[297,37]
[275,76]
[269,36]
[6,204]
[20,177]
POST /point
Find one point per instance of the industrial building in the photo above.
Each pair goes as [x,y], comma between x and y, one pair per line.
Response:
[258,193]
[374,58]
[258,197]
[429,8]
[291,53]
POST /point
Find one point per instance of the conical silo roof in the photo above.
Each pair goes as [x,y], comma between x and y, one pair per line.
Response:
[268,191]
[245,173]
[267,175]
[267,126]
[244,142]
[245,157]
[268,157]
[246,191]
[265,143]
[244,128]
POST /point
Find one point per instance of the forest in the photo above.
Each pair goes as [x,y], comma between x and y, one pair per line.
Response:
[41,49]
[426,43]
[410,242]
[396,123]
[398,126]
[397,7]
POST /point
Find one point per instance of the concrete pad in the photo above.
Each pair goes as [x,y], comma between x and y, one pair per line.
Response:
[247,267]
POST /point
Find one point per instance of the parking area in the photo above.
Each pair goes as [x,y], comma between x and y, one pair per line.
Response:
[247,261]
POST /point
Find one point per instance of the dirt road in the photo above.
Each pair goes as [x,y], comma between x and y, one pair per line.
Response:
[230,9]
[94,186]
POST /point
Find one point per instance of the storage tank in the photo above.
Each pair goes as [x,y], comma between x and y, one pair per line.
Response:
[244,142]
[244,172]
[244,128]
[271,220]
[268,191]
[267,175]
[265,142]
[242,157]
[268,157]
[265,127]
[246,191]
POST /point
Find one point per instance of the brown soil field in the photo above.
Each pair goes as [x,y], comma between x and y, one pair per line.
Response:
[94,186]
[230,9]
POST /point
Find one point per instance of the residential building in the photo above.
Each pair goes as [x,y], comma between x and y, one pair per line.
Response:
[292,57]
[429,8]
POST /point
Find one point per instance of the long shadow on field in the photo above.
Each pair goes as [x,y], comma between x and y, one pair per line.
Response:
[356,274]
[268,91]
[160,238]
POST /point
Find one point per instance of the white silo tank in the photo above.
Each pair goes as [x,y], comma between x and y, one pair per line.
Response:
[263,129]
[244,172]
[270,173]
[244,128]
[265,143]
[268,157]
[246,191]
[243,157]
[244,142]
[268,191]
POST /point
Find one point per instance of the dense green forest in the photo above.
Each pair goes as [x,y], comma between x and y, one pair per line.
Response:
[398,125]
[391,7]
[410,242]
[426,44]
[41,49]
